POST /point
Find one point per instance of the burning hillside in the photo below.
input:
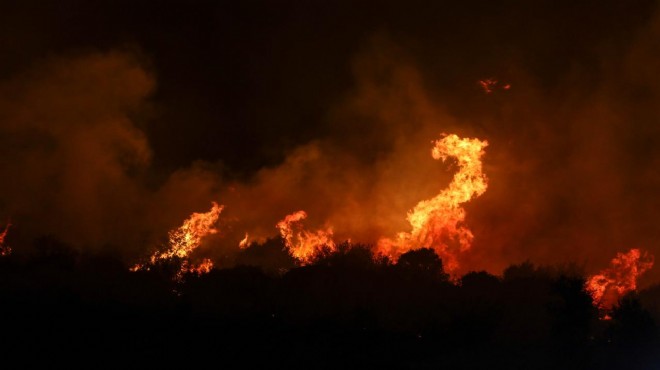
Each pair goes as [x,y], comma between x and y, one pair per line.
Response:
[450,180]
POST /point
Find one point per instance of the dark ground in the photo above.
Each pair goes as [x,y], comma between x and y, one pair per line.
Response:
[345,311]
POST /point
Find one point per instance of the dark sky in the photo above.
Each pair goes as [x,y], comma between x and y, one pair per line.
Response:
[240,81]
[119,118]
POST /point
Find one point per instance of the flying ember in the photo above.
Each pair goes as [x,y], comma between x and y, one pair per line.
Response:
[489,85]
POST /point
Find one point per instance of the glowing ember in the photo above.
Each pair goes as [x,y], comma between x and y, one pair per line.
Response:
[302,244]
[244,242]
[184,240]
[4,250]
[620,278]
[489,85]
[438,223]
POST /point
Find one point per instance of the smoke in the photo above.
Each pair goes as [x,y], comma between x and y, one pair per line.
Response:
[572,166]
[361,180]
[572,157]
[71,151]
[75,158]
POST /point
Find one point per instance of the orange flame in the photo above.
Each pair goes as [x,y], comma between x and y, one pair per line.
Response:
[302,244]
[203,267]
[620,278]
[185,239]
[438,223]
[4,249]
[244,242]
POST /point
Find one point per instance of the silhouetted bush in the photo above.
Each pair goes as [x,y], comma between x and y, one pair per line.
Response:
[422,263]
[271,256]
[347,309]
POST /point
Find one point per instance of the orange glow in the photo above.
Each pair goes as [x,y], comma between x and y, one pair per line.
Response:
[302,244]
[244,242]
[185,239]
[4,250]
[438,223]
[620,278]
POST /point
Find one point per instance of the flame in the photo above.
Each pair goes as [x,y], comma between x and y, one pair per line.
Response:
[302,244]
[185,239]
[438,223]
[203,267]
[620,278]
[4,249]
[244,242]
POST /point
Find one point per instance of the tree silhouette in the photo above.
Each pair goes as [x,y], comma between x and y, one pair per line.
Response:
[347,309]
[422,263]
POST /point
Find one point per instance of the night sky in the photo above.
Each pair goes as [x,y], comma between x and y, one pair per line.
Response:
[120,118]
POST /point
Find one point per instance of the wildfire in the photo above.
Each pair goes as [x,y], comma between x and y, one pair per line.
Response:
[620,278]
[185,239]
[438,223]
[4,249]
[302,244]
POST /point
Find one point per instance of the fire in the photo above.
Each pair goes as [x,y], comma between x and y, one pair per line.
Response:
[203,267]
[185,239]
[438,223]
[620,278]
[302,244]
[4,249]
[244,242]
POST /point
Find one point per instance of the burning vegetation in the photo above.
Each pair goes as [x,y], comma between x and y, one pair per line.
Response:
[334,233]
[611,284]
[302,244]
[184,240]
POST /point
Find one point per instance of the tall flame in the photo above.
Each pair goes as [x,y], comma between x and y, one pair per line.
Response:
[4,249]
[185,239]
[438,223]
[245,242]
[620,278]
[302,244]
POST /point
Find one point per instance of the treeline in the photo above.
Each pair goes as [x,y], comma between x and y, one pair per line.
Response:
[347,310]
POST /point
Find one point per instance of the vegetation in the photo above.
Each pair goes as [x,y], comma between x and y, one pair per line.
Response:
[348,309]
